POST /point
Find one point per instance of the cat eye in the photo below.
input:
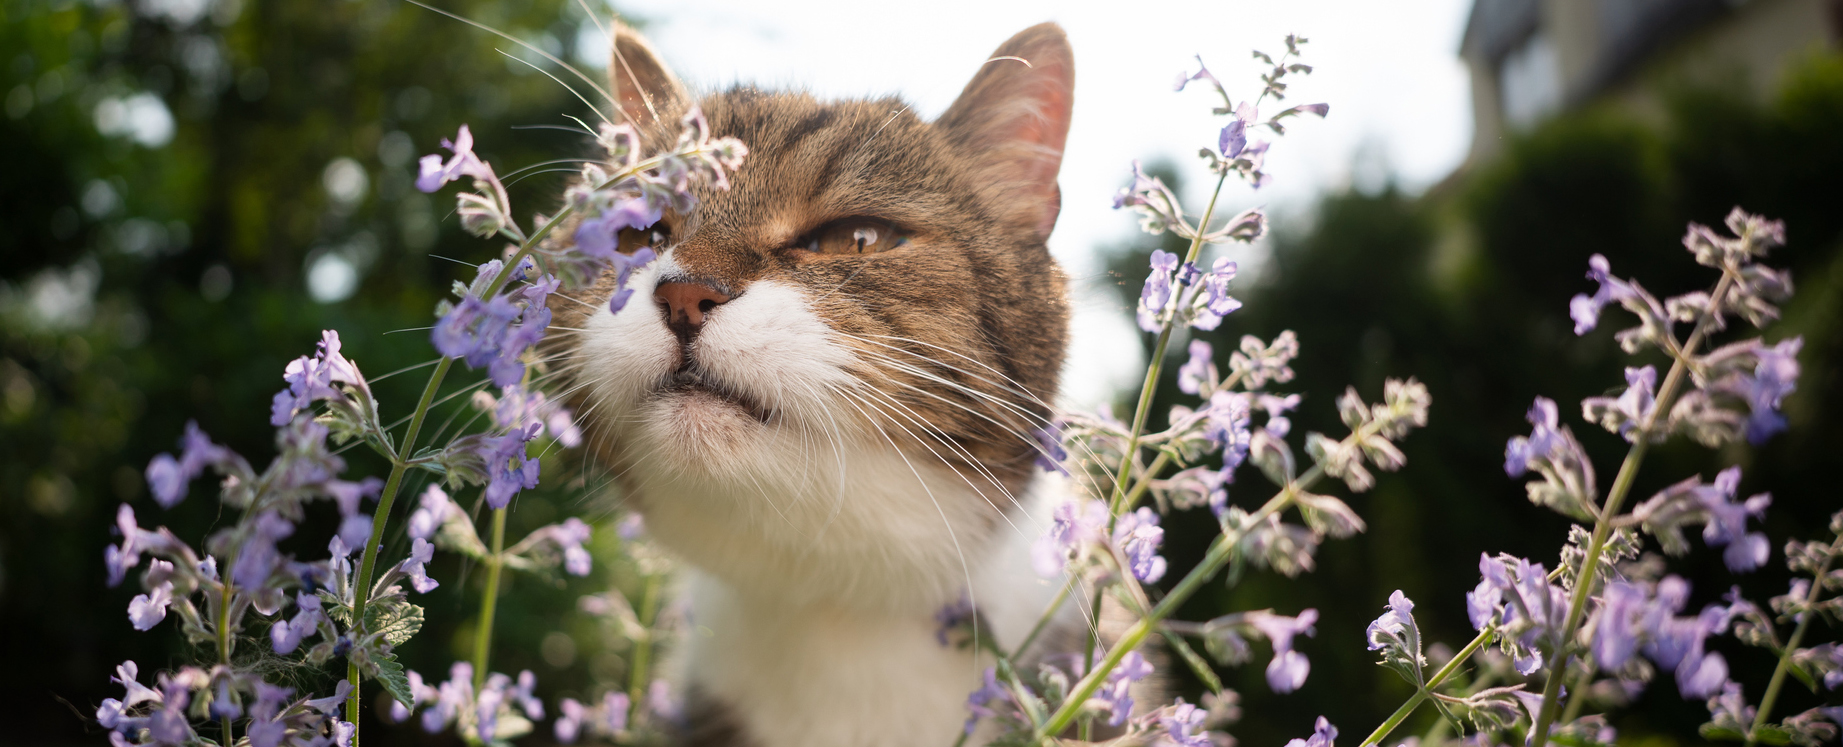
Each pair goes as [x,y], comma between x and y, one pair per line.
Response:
[634,239]
[852,236]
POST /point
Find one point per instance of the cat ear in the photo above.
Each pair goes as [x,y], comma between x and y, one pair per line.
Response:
[645,91]
[1015,114]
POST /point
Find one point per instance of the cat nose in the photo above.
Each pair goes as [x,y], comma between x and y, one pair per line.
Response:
[685,305]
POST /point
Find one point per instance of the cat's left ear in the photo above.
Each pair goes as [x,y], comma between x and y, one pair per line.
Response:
[644,88]
[1015,113]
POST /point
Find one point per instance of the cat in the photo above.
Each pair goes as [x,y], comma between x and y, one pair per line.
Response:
[827,408]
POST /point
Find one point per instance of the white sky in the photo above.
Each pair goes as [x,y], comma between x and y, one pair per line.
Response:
[1390,71]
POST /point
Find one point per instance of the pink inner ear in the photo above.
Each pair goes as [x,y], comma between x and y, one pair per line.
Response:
[1018,112]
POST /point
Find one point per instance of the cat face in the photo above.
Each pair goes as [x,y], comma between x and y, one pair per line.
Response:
[833,369]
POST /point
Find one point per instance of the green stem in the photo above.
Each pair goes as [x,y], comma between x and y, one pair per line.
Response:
[1439,678]
[407,450]
[224,641]
[483,636]
[643,649]
[1221,551]
[1791,645]
[1150,387]
[1615,499]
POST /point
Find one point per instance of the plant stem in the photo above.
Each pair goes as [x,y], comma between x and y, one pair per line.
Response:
[406,451]
[483,636]
[1150,387]
[1221,551]
[224,641]
[1439,678]
[643,650]
[1615,499]
[1791,645]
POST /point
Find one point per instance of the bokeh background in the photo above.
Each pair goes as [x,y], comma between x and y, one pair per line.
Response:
[194,188]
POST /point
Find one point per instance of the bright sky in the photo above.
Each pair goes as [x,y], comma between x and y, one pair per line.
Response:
[1390,70]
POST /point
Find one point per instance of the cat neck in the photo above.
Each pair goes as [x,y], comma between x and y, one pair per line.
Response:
[779,666]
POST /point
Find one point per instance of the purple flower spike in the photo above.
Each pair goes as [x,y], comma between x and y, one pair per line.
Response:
[1195,372]
[1323,733]
[420,552]
[1050,454]
[1138,536]
[433,172]
[147,610]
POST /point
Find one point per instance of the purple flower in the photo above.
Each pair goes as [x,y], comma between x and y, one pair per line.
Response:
[1138,536]
[1075,525]
[981,702]
[1195,372]
[570,537]
[569,720]
[1184,79]
[509,469]
[1631,409]
[167,477]
[1050,454]
[1585,309]
[1229,414]
[1156,293]
[1288,669]
[1521,454]
[147,610]
[1616,626]
[1213,302]
[1775,376]
[1183,724]
[615,706]
[1157,206]
[1234,137]
[169,724]
[434,511]
[135,540]
[493,333]
[1724,520]
[433,172]
[624,266]
[952,615]
[312,379]
[518,408]
[1276,407]
[1395,624]
[600,237]
[286,635]
[420,552]
[661,702]
[257,559]
[523,693]
[1116,692]
[1322,735]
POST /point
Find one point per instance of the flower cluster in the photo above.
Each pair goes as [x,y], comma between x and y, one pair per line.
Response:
[492,710]
[163,714]
[1190,296]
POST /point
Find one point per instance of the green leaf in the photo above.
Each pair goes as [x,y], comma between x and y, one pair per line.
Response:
[1803,676]
[390,674]
[1713,732]
[1772,734]
[395,622]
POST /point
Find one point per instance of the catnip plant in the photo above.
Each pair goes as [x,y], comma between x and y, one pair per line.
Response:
[1557,648]
[344,607]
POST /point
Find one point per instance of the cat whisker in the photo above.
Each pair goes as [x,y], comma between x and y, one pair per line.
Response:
[540,51]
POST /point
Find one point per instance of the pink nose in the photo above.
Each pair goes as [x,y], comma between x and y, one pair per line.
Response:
[686,305]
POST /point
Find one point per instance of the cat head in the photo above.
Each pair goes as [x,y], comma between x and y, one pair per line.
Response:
[835,366]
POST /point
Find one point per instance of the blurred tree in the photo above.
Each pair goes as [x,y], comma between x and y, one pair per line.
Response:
[196,189]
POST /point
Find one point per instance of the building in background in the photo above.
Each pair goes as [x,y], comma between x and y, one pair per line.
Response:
[1531,59]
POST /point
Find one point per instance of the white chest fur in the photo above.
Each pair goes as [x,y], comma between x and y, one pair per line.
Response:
[824,674]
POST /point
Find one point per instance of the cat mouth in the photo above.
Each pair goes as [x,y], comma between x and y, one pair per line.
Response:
[689,381]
